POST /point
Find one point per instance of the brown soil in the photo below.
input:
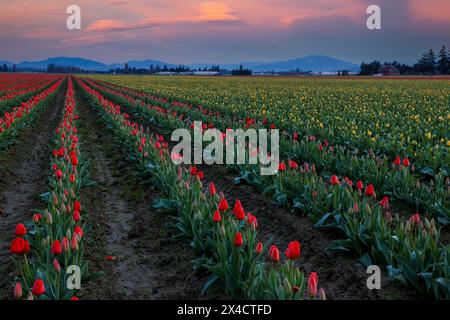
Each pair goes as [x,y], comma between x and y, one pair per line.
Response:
[148,263]
[24,171]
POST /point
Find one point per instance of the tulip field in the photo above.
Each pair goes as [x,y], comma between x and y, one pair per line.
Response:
[93,207]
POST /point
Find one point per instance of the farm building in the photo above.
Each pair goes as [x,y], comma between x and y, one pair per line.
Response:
[388,70]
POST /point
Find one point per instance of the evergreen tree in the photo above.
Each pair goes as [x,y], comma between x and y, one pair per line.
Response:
[443,63]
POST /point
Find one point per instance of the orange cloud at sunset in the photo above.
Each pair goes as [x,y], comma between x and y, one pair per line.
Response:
[431,10]
[215,11]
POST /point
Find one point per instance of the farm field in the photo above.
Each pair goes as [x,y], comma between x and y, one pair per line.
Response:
[87,179]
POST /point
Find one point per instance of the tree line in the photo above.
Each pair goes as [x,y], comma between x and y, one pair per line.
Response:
[428,64]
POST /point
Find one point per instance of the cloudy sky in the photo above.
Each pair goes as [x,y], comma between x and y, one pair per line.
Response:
[187,31]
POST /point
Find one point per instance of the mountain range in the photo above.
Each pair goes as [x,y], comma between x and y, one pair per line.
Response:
[317,63]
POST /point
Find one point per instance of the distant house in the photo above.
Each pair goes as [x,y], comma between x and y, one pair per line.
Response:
[388,70]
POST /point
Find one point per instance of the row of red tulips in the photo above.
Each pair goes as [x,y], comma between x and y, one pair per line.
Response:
[390,176]
[23,91]
[225,239]
[22,114]
[415,256]
[49,247]
[10,82]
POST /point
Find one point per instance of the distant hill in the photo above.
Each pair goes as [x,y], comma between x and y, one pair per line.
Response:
[84,64]
[318,63]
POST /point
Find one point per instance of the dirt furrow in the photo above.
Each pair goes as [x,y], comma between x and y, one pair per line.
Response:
[129,242]
[24,171]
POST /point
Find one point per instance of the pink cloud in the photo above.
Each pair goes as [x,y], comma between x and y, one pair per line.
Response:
[434,11]
[118,25]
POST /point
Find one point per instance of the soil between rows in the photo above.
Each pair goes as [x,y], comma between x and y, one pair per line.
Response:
[343,277]
[25,167]
[147,263]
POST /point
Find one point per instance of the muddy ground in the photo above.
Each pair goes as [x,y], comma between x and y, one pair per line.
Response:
[147,263]
[25,167]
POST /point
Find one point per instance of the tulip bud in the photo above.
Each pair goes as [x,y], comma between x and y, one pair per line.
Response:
[48,217]
[56,265]
[433,232]
[54,198]
[222,230]
[322,295]
[427,224]
[74,243]
[18,291]
[30,296]
[424,234]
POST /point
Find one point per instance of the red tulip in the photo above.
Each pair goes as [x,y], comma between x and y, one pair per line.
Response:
[281,167]
[74,243]
[56,265]
[295,137]
[359,185]
[217,217]
[252,221]
[259,247]
[17,246]
[293,250]
[21,230]
[238,210]
[355,207]
[72,178]
[65,244]
[415,218]
[370,191]
[334,180]
[78,231]
[238,241]
[76,216]
[200,175]
[18,291]
[74,159]
[37,217]
[56,247]
[274,253]
[77,205]
[223,205]
[193,171]
[385,203]
[58,174]
[292,164]
[74,299]
[212,189]
[397,161]
[312,284]
[406,162]
[38,287]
